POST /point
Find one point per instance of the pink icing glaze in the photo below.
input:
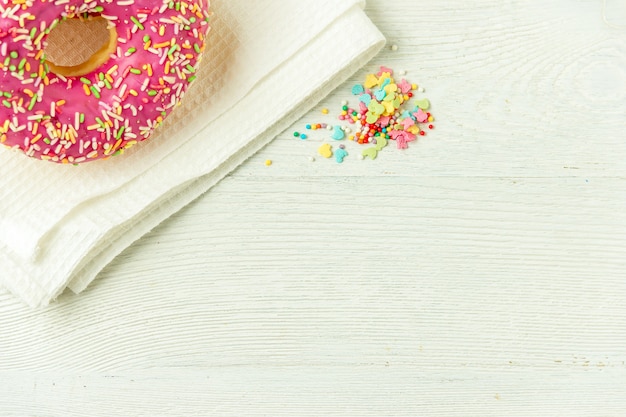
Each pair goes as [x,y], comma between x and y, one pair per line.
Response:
[78,119]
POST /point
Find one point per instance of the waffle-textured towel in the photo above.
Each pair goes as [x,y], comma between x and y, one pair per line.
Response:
[268,62]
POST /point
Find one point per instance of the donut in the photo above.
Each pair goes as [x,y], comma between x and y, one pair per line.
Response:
[114,100]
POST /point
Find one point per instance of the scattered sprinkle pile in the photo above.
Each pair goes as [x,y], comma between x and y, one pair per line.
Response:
[387,112]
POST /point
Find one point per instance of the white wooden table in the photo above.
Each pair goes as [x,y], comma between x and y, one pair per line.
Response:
[481,272]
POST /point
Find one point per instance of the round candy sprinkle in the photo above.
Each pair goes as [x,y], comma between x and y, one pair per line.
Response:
[268,162]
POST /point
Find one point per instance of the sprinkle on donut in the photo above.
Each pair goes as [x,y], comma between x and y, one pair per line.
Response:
[156,45]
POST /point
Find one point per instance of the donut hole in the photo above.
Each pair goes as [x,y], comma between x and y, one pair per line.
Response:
[78,46]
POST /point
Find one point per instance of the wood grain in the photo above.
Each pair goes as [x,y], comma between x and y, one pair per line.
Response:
[478,273]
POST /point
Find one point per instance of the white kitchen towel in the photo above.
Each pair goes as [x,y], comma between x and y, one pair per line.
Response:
[268,62]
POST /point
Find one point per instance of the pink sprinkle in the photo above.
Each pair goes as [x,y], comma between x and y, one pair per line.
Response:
[385,69]
[405,86]
[384,121]
[421,116]
[407,123]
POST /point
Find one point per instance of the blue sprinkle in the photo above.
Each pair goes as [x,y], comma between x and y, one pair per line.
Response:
[365,99]
[308,127]
[340,155]
[358,90]
[380,94]
[303,136]
[338,134]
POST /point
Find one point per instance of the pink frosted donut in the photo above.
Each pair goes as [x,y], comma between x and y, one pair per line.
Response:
[154,51]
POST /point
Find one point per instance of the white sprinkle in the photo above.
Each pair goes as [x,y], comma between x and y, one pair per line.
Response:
[394,47]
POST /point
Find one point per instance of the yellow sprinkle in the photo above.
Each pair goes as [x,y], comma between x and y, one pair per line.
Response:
[325,111]
[414,86]
[133,93]
[86,89]
[431,119]
[268,162]
[35,139]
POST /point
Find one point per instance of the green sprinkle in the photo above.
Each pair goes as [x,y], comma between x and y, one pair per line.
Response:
[135,71]
[120,132]
[81,118]
[196,48]
[14,55]
[6,104]
[85,80]
[100,122]
[12,68]
[152,93]
[47,141]
[192,78]
[172,50]
[31,105]
[101,76]
[190,68]
[107,84]
[137,22]
[95,91]
[131,50]
[146,38]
